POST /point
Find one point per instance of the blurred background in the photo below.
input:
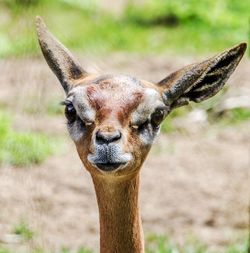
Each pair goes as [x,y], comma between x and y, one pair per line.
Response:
[201,160]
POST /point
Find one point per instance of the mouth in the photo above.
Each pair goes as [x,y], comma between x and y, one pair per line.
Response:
[109,166]
[109,159]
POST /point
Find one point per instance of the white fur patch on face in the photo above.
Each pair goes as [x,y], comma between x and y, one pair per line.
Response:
[78,96]
[76,130]
[148,134]
[141,118]
[151,100]
[86,114]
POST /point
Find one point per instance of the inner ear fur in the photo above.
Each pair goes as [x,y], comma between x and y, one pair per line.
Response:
[198,82]
[60,60]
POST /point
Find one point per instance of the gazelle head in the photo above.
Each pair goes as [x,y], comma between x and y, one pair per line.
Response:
[114,119]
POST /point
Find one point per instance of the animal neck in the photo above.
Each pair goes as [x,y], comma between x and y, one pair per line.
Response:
[120,221]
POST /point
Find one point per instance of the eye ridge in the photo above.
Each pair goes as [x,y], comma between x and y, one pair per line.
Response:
[71,114]
[157,117]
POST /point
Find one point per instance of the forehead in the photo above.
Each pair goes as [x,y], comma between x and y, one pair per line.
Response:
[112,87]
[114,93]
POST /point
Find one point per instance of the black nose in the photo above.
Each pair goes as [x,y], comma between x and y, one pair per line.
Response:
[107,137]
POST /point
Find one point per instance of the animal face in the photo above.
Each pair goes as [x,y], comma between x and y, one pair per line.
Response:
[114,120]
[117,118]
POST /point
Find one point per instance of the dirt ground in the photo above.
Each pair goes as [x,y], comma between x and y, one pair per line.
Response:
[195,183]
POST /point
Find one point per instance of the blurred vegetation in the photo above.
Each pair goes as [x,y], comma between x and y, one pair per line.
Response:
[168,124]
[234,116]
[22,149]
[154,26]
[209,107]
[157,244]
[24,231]
[54,108]
[161,244]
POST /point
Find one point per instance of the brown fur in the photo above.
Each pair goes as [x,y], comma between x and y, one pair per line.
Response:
[120,222]
[104,103]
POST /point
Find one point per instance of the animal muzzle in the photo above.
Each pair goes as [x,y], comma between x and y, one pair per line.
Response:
[108,157]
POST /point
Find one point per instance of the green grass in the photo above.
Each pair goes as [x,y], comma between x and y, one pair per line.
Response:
[160,244]
[23,148]
[234,116]
[156,26]
[168,125]
[2,250]
[54,108]
[195,26]
[24,231]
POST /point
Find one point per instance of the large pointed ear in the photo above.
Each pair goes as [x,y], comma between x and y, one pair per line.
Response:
[59,59]
[198,82]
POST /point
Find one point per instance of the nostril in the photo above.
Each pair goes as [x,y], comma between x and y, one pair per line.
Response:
[100,138]
[117,136]
[107,137]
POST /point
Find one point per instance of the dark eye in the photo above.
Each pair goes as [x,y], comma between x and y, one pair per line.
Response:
[70,113]
[157,117]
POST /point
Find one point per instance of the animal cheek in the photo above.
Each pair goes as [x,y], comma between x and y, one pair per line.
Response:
[138,152]
[132,144]
[83,152]
[84,141]
[140,144]
[88,142]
